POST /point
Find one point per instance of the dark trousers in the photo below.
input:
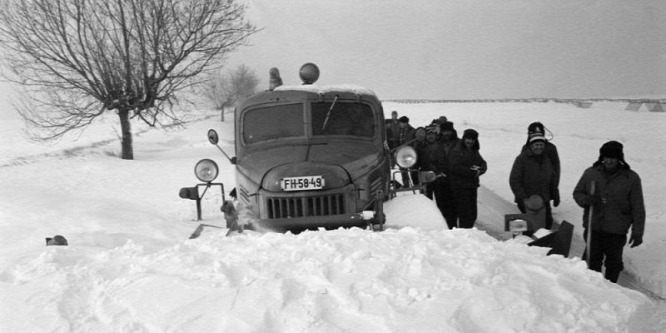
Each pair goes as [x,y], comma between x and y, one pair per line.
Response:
[465,203]
[549,212]
[392,145]
[606,250]
[430,190]
[445,201]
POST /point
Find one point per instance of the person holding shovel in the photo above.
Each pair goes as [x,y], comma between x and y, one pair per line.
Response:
[612,197]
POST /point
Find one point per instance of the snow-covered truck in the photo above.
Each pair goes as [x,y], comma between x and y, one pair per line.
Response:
[310,157]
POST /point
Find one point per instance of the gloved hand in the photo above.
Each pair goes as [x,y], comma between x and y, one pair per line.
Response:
[635,240]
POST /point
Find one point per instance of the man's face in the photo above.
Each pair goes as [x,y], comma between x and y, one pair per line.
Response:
[610,163]
[394,115]
[446,134]
[537,147]
[469,142]
[403,125]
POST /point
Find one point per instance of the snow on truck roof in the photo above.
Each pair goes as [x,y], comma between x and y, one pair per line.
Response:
[349,88]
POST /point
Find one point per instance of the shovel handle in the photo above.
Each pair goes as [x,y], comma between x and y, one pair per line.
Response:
[593,186]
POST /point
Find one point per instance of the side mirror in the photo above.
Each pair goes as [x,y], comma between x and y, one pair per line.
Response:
[212,137]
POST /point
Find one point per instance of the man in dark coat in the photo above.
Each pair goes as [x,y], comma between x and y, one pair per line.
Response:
[392,132]
[466,165]
[533,173]
[537,128]
[444,195]
[406,135]
[616,204]
[427,152]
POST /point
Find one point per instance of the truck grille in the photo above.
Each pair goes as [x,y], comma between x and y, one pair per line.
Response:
[279,208]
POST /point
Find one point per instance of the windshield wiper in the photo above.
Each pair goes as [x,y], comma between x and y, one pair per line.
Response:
[328,114]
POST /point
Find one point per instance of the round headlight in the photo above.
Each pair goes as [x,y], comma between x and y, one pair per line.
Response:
[206,170]
[405,157]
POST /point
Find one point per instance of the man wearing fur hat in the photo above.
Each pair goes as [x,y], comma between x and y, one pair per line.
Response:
[466,166]
[616,204]
[533,173]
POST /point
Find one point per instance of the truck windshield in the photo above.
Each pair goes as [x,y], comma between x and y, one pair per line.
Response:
[343,119]
[280,121]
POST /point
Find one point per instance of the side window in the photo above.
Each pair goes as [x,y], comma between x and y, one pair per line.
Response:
[343,119]
[275,122]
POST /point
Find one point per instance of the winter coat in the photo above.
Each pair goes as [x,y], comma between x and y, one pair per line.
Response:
[392,132]
[431,157]
[461,161]
[618,201]
[406,134]
[550,150]
[533,174]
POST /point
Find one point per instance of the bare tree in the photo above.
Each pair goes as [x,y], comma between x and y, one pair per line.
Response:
[77,59]
[228,89]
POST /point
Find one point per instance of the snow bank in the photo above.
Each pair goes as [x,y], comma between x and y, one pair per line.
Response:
[344,280]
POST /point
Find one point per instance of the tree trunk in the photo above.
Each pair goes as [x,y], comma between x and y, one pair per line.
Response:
[222,114]
[127,152]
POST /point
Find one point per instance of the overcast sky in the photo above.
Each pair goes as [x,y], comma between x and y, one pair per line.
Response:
[461,49]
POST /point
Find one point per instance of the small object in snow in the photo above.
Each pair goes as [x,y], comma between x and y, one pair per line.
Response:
[231,215]
[56,240]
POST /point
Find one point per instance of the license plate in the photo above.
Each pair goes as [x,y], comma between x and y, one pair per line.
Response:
[302,183]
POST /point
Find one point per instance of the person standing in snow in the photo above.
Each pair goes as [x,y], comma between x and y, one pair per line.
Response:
[550,149]
[616,204]
[392,133]
[533,173]
[427,152]
[406,135]
[467,166]
[444,196]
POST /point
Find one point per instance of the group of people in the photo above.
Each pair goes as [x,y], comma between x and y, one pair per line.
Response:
[609,191]
[456,162]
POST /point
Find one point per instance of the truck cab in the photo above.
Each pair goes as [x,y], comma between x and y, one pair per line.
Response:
[310,157]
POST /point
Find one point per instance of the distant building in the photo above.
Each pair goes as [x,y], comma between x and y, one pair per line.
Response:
[645,106]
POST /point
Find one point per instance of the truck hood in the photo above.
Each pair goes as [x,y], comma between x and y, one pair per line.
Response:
[335,162]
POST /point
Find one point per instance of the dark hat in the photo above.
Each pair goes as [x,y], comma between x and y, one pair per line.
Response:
[536,136]
[446,126]
[611,149]
[535,127]
[404,119]
[470,134]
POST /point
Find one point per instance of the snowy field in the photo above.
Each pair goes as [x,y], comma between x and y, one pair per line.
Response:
[130,267]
